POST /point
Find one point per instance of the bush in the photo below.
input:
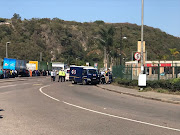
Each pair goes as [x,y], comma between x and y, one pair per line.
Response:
[172,85]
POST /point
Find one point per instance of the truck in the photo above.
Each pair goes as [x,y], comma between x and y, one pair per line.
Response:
[15,64]
[42,66]
[84,75]
[49,64]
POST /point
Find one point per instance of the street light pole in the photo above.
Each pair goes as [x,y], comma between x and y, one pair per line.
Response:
[142,23]
[6,49]
[121,48]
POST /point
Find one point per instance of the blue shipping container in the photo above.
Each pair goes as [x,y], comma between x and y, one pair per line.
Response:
[9,64]
[20,64]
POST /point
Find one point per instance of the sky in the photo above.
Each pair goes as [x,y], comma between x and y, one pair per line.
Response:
[162,14]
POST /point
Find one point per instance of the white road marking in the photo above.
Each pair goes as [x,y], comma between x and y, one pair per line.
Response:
[106,114]
[13,85]
[7,86]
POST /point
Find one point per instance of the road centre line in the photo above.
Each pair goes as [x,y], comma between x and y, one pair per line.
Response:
[106,114]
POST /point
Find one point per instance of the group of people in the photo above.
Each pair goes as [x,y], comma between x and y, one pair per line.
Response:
[61,74]
[7,73]
[106,77]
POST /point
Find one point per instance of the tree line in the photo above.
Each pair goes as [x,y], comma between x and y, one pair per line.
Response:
[76,43]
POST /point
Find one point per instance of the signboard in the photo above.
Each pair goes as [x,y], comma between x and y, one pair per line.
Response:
[137,56]
[34,62]
[87,63]
[156,65]
[9,64]
[142,80]
[95,65]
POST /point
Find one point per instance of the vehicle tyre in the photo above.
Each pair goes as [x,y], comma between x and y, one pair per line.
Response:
[84,82]
[73,82]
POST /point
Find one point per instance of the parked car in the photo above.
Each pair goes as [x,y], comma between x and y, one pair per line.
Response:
[163,74]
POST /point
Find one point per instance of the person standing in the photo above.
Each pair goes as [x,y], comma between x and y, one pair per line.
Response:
[60,75]
[51,76]
[54,75]
[107,76]
[63,75]
[1,74]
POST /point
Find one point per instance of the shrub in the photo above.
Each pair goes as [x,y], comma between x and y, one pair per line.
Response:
[172,85]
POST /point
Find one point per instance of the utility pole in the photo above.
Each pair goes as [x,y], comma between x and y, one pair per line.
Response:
[142,23]
[142,77]
[40,56]
[7,49]
[121,47]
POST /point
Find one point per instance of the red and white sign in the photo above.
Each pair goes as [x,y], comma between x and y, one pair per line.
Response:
[137,56]
[73,71]
[156,65]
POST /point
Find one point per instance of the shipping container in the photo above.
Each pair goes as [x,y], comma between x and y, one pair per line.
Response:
[20,65]
[49,66]
[9,64]
[42,65]
[34,62]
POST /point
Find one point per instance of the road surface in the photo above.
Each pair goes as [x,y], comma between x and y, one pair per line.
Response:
[37,106]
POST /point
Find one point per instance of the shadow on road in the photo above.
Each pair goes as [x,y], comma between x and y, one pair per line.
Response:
[1,115]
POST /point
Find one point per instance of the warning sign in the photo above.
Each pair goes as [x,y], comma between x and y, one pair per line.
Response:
[137,56]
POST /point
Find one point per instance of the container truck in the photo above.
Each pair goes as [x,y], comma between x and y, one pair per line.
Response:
[18,65]
[49,66]
[42,66]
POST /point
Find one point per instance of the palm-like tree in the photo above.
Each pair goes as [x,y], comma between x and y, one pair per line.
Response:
[174,53]
[106,40]
[165,57]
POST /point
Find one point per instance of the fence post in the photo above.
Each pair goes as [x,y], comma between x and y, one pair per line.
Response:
[158,72]
[131,72]
[176,71]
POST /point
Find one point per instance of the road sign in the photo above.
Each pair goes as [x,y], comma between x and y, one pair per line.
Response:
[137,56]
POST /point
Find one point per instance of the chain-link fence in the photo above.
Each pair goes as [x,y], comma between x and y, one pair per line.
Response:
[153,73]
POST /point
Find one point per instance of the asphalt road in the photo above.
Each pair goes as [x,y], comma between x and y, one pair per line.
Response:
[37,106]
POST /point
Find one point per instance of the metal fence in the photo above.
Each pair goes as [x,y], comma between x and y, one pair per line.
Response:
[153,73]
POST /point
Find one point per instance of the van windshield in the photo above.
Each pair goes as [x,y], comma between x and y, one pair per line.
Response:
[92,71]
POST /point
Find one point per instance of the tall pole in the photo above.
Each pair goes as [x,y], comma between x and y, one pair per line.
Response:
[40,56]
[121,47]
[142,23]
[6,51]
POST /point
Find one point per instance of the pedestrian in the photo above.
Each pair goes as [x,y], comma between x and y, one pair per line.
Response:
[52,76]
[60,75]
[63,75]
[1,74]
[4,72]
[107,76]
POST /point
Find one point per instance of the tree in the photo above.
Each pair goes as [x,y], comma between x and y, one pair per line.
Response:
[174,54]
[106,40]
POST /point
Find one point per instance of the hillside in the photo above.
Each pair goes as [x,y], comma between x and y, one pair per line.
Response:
[76,43]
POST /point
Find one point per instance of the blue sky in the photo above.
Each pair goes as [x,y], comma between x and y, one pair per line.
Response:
[162,14]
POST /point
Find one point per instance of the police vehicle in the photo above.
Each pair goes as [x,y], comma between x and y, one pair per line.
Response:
[84,75]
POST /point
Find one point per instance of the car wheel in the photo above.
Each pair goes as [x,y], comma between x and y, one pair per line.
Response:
[73,82]
[84,82]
